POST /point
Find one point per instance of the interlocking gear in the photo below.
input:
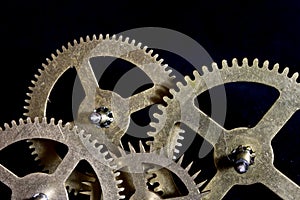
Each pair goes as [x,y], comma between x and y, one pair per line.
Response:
[52,185]
[78,56]
[143,166]
[181,108]
[104,114]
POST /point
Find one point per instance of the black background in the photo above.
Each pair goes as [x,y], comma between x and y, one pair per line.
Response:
[32,30]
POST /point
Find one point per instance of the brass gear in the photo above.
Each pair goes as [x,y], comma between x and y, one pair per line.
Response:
[52,185]
[143,168]
[181,108]
[77,56]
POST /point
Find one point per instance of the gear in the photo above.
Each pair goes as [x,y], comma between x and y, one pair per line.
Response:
[106,107]
[143,168]
[52,185]
[78,56]
[182,109]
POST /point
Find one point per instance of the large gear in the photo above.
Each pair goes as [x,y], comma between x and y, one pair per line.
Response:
[98,102]
[78,56]
[53,185]
[181,108]
[143,167]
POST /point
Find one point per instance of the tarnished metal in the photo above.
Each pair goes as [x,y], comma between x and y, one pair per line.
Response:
[52,185]
[181,108]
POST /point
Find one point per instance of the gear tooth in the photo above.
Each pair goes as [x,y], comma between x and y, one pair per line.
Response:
[69,45]
[176,151]
[139,45]
[101,37]
[58,51]
[87,38]
[235,62]
[214,66]
[255,62]
[81,40]
[127,40]
[6,126]
[27,101]
[107,37]
[156,57]
[48,60]
[145,48]
[160,61]
[131,148]
[150,52]
[75,42]
[295,76]
[120,38]
[286,71]
[266,64]
[224,64]
[205,69]
[85,192]
[132,42]
[52,121]
[180,160]
[188,168]
[64,48]
[196,74]
[113,37]
[179,85]
[196,174]
[36,76]
[21,121]
[201,184]
[142,148]
[122,197]
[53,56]
[276,67]
[14,123]
[122,151]
[40,70]
[245,62]
[36,120]
[173,92]
[60,123]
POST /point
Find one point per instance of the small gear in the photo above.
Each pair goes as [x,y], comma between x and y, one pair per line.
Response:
[181,109]
[143,167]
[52,185]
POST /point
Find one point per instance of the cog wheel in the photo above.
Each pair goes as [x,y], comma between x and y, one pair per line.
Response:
[119,108]
[52,185]
[103,113]
[143,168]
[246,143]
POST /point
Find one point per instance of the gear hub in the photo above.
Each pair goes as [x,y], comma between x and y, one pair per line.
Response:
[242,157]
[101,117]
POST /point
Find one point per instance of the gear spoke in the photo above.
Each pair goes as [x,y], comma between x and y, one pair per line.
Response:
[67,165]
[275,118]
[206,127]
[280,184]
[147,96]
[87,78]
[219,185]
[6,176]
